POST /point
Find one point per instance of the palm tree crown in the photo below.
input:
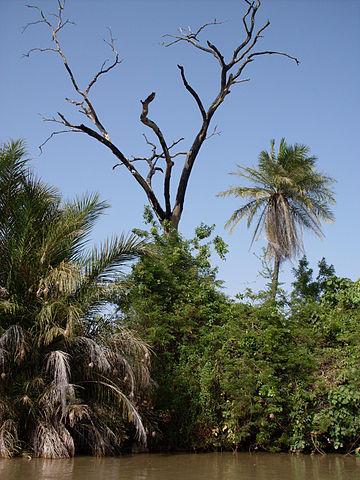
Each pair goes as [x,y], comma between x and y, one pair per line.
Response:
[286,195]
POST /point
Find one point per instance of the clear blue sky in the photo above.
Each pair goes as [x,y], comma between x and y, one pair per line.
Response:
[316,103]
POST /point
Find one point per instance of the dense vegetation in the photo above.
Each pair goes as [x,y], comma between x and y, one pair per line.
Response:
[273,370]
[246,373]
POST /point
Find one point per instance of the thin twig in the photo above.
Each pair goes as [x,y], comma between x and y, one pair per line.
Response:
[56,133]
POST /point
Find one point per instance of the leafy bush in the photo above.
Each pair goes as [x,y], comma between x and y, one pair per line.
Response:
[171,295]
[246,375]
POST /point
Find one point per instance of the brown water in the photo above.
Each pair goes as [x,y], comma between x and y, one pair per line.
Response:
[212,466]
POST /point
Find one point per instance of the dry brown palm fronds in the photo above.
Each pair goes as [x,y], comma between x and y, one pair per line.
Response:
[54,401]
[73,315]
[47,442]
[9,440]
[133,354]
[121,369]
[4,359]
[8,306]
[67,440]
[281,231]
[92,354]
[62,279]
[60,392]
[57,319]
[129,343]
[15,341]
[57,367]
[101,440]
[77,413]
[129,412]
[53,290]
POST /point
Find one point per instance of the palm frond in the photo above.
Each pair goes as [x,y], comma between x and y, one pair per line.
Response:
[57,367]
[128,410]
[77,413]
[249,210]
[62,279]
[259,227]
[104,262]
[15,342]
[83,213]
[48,442]
[92,355]
[9,439]
[245,192]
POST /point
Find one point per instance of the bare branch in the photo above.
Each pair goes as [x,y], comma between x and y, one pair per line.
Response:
[111,42]
[175,142]
[27,54]
[154,127]
[233,78]
[178,154]
[42,15]
[154,157]
[56,133]
[217,53]
[213,133]
[75,102]
[240,81]
[104,69]
[61,120]
[60,23]
[244,19]
[67,123]
[85,105]
[51,119]
[125,161]
[157,156]
[192,92]
[253,8]
[188,40]
[200,29]
[150,143]
[190,36]
[271,52]
[25,27]
[236,58]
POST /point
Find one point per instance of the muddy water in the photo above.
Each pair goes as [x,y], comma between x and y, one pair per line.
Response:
[212,466]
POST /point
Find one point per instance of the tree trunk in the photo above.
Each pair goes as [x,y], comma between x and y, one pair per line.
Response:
[275,278]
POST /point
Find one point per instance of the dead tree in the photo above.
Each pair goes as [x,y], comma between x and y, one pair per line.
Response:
[163,152]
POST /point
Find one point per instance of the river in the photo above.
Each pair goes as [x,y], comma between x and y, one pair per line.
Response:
[211,466]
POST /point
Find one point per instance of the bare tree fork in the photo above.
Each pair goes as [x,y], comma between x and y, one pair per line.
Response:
[169,163]
[161,159]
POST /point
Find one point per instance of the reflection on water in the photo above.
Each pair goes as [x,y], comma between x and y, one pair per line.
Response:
[212,466]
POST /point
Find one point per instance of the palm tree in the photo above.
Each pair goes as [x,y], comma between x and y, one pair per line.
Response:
[286,195]
[69,379]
